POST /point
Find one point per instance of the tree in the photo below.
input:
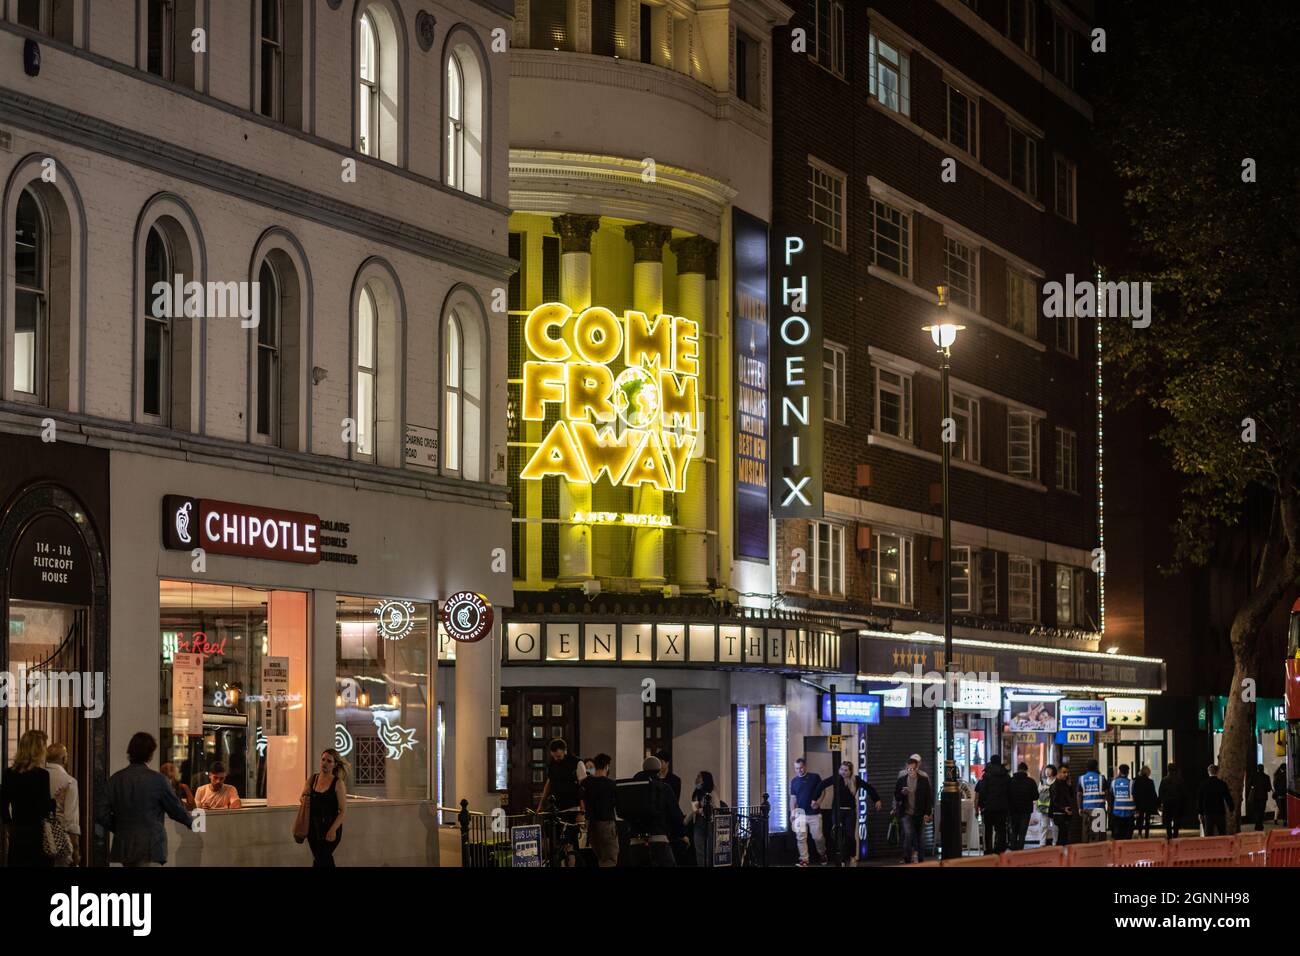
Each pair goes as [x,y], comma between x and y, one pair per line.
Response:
[1193,91]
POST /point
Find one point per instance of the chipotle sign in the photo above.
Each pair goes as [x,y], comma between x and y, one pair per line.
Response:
[245,531]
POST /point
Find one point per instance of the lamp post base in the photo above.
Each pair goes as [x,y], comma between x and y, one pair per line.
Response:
[950,814]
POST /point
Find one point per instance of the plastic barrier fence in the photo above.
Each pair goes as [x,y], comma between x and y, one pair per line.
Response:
[1284,847]
[1251,848]
[1043,856]
[1088,854]
[1138,853]
[988,859]
[1203,851]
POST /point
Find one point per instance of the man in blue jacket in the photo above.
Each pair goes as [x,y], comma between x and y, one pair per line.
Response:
[1122,805]
[134,805]
[806,819]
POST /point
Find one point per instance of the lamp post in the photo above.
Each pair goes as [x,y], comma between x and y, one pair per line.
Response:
[944,333]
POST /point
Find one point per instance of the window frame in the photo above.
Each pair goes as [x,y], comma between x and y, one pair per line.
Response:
[1071,194]
[1034,443]
[904,226]
[971,415]
[905,555]
[835,20]
[1067,335]
[971,147]
[276,46]
[1029,155]
[1030,301]
[967,563]
[838,238]
[1069,575]
[372,372]
[834,543]
[1029,43]
[167,39]
[271,401]
[455,174]
[1067,478]
[967,298]
[987,567]
[453,393]
[1017,581]
[1065,52]
[166,335]
[834,376]
[901,67]
[41,293]
[368,90]
[903,390]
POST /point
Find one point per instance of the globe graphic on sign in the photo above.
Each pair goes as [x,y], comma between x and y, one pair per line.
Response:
[636,397]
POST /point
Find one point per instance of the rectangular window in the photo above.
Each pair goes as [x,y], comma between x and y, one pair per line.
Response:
[1022,588]
[966,416]
[749,81]
[1063,52]
[1020,24]
[961,579]
[891,582]
[604,29]
[890,82]
[1064,193]
[828,558]
[233,690]
[1067,460]
[960,270]
[988,577]
[894,403]
[367,369]
[1024,160]
[381,695]
[272,99]
[834,363]
[826,188]
[828,35]
[1022,444]
[891,238]
[1067,335]
[1022,303]
[963,120]
[647,33]
[1065,591]
[549,27]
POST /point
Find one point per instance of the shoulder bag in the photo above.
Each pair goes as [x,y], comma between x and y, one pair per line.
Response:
[302,822]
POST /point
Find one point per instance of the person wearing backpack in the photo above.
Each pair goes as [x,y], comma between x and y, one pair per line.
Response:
[653,830]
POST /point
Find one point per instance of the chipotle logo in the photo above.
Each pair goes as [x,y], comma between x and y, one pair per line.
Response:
[246,531]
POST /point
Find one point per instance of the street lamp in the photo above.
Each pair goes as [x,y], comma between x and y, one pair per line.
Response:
[944,333]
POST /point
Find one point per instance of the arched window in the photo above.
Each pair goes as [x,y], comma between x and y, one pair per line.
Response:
[368,88]
[268,354]
[157,327]
[367,372]
[465,109]
[30,346]
[452,398]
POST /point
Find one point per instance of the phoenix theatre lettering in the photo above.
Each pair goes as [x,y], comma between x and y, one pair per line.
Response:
[635,426]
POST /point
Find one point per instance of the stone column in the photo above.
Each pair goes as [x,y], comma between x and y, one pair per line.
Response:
[648,296]
[693,257]
[478,708]
[575,233]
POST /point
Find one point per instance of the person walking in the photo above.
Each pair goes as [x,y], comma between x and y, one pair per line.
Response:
[840,793]
[703,804]
[133,807]
[1092,804]
[1145,800]
[1048,831]
[26,803]
[1259,787]
[1063,806]
[597,798]
[1279,793]
[1213,802]
[327,796]
[653,833]
[992,795]
[1022,794]
[914,806]
[1123,808]
[63,788]
[805,788]
[1172,799]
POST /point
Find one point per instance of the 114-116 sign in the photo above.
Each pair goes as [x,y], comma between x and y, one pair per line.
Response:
[635,427]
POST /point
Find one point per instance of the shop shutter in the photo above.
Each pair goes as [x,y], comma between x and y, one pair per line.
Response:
[889,744]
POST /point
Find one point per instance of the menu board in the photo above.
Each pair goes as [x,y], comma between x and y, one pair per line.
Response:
[187,694]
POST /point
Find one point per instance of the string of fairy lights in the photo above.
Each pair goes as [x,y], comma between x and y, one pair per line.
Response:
[1101,472]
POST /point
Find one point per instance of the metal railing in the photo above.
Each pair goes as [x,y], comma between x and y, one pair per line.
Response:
[487,839]
[737,836]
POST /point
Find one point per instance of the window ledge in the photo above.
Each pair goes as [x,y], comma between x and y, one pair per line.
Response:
[897,444]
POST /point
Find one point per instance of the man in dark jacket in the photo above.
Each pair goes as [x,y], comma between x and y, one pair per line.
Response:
[1172,799]
[133,807]
[1213,803]
[652,835]
[1279,793]
[1021,796]
[1259,787]
[913,804]
[1063,806]
[992,800]
[1144,800]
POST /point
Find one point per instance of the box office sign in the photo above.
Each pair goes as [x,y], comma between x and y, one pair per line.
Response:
[672,644]
[245,531]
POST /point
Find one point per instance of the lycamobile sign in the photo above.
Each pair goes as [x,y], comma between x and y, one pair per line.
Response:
[796,375]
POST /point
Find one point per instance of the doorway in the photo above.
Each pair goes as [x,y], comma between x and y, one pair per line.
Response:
[530,719]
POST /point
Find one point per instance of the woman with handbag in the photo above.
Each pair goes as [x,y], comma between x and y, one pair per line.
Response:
[26,805]
[320,814]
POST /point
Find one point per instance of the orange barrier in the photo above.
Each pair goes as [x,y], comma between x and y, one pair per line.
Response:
[1283,846]
[1138,853]
[1042,856]
[912,866]
[1251,848]
[1088,854]
[987,859]
[1203,851]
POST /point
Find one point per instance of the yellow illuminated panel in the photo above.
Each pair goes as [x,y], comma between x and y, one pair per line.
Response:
[634,428]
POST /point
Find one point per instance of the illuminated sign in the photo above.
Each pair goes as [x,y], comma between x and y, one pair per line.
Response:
[797,375]
[1126,711]
[852,708]
[467,617]
[637,427]
[749,340]
[1082,714]
[396,619]
[246,531]
[396,739]
[623,518]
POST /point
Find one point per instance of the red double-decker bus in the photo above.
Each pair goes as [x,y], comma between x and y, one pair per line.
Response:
[1293,718]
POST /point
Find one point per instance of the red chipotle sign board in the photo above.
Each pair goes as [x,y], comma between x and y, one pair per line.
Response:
[245,531]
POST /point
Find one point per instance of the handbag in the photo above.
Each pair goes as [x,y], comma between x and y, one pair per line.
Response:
[302,822]
[56,844]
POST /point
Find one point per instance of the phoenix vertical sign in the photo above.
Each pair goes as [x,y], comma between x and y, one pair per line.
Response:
[796,374]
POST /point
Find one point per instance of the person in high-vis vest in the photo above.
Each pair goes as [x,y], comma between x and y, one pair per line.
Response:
[1122,806]
[1092,803]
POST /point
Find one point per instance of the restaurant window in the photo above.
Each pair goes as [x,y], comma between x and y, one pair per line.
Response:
[233,688]
[381,696]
